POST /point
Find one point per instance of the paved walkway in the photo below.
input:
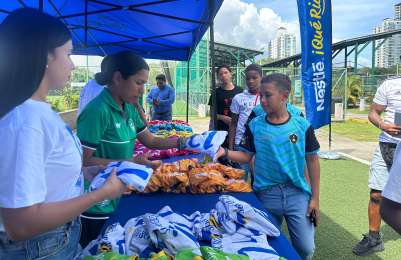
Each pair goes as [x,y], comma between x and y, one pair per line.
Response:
[362,151]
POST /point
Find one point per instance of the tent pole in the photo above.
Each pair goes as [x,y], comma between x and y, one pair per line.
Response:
[86,23]
[213,76]
[330,136]
[188,87]
[41,5]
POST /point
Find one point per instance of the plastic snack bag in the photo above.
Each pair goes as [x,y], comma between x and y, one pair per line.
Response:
[110,256]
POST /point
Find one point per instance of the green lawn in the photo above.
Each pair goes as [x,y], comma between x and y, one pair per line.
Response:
[357,129]
[357,111]
[343,202]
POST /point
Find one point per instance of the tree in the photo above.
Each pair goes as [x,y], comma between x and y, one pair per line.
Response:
[354,89]
[81,75]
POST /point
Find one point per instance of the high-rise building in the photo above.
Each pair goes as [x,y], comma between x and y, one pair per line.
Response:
[284,45]
[388,54]
[397,11]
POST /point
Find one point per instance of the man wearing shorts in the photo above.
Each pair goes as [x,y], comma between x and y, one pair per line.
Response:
[387,99]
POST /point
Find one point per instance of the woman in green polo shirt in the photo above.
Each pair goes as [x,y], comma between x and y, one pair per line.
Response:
[110,124]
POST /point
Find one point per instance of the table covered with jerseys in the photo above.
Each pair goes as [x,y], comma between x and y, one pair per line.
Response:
[138,204]
[183,210]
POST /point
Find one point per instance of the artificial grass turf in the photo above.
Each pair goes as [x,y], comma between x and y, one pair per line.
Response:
[357,129]
[344,196]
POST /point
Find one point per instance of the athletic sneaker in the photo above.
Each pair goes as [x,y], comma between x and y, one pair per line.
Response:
[369,245]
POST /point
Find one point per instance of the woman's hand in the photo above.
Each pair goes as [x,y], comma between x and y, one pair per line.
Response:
[155,164]
[113,187]
[143,159]
[90,172]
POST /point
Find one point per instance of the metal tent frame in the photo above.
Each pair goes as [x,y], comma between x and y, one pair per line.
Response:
[155,29]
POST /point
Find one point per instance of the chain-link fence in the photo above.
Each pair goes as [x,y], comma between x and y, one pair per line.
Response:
[347,88]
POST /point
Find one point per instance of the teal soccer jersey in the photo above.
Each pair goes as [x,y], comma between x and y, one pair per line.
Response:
[280,151]
[258,110]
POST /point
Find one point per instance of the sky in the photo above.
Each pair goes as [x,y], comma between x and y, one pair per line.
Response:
[252,23]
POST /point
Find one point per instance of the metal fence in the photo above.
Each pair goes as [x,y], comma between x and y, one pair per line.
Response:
[199,87]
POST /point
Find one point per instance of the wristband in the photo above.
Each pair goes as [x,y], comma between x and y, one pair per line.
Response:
[225,153]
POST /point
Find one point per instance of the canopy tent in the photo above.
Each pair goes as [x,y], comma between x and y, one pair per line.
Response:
[155,29]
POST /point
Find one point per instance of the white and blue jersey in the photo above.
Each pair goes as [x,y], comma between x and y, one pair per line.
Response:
[280,151]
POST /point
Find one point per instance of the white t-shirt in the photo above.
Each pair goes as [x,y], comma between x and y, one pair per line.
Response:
[89,92]
[242,105]
[389,95]
[392,190]
[41,157]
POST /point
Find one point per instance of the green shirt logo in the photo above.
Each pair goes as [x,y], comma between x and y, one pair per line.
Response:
[131,124]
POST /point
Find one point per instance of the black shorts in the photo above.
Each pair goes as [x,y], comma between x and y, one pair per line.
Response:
[387,150]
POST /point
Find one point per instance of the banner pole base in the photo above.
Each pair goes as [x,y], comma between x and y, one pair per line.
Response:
[329,155]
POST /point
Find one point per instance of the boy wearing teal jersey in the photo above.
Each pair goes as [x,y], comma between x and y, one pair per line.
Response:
[258,110]
[282,145]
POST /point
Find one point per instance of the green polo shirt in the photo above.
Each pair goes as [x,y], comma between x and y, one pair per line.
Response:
[111,132]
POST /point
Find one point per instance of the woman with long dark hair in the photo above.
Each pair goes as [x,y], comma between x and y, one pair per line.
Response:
[41,163]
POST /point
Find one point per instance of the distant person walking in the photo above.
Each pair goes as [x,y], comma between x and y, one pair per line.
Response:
[161,97]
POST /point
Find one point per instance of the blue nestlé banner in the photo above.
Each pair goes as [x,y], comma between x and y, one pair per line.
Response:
[315,27]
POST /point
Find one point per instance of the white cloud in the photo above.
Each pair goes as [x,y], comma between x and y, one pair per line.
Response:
[245,25]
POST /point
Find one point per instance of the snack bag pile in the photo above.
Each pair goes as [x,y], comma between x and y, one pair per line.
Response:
[190,176]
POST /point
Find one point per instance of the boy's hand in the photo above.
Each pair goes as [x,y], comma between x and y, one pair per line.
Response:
[225,119]
[314,207]
[220,152]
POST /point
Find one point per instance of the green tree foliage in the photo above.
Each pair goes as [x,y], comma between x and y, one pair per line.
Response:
[81,75]
[354,90]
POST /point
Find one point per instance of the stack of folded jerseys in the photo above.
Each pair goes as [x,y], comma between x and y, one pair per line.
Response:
[189,176]
[233,227]
[165,129]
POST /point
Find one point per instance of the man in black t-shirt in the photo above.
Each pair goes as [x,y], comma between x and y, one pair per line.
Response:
[224,95]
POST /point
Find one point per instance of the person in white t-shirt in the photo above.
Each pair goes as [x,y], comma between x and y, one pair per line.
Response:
[41,165]
[242,105]
[390,208]
[387,99]
[91,90]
